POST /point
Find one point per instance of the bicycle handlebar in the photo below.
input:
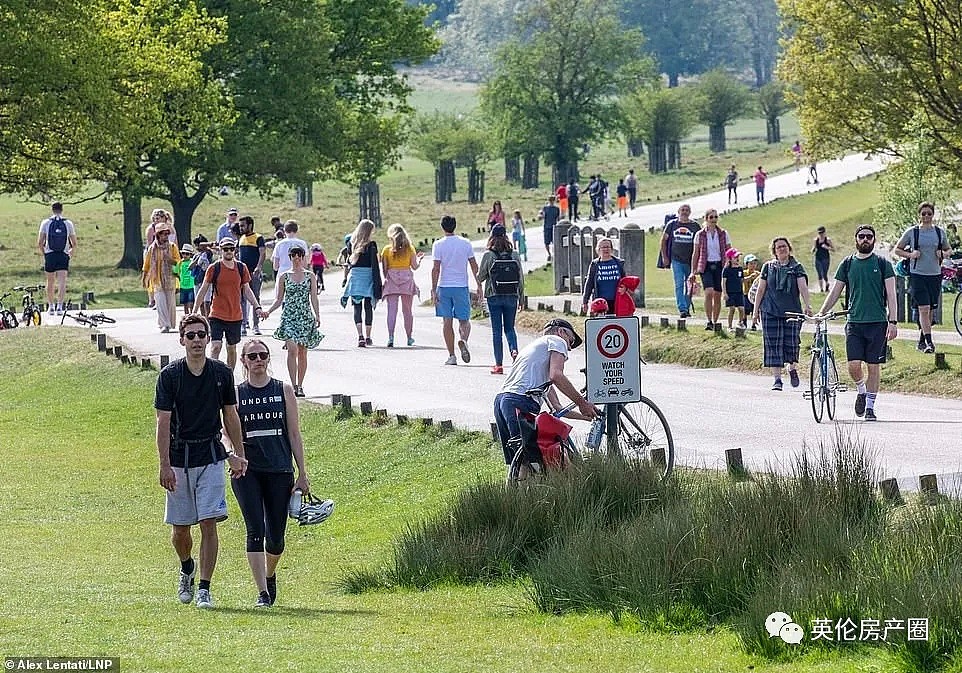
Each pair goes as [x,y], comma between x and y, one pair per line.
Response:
[28,288]
[801,317]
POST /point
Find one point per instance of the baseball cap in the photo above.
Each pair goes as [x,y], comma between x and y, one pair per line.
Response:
[232,211]
[227,241]
[750,258]
[187,249]
[732,253]
[498,230]
[863,227]
[560,322]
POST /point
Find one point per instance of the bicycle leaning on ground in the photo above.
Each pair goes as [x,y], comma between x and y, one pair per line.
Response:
[88,319]
[635,431]
[8,319]
[31,310]
[823,383]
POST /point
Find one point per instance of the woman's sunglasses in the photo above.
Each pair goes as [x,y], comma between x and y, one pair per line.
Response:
[260,355]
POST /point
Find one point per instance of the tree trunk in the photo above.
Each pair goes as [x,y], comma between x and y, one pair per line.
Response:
[369,202]
[716,138]
[635,147]
[304,195]
[512,169]
[656,158]
[444,181]
[773,131]
[672,80]
[475,185]
[184,208]
[563,172]
[133,234]
[674,155]
[530,177]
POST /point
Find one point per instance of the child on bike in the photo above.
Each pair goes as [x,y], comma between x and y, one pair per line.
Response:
[732,286]
[318,264]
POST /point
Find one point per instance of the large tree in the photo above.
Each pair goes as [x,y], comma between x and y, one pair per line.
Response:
[661,117]
[562,72]
[722,100]
[863,68]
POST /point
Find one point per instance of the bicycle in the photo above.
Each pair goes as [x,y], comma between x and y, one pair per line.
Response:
[952,282]
[635,431]
[31,310]
[823,383]
[88,320]
[8,319]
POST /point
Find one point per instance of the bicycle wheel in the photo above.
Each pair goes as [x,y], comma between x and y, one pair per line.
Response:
[957,313]
[9,319]
[521,469]
[101,318]
[643,434]
[816,388]
[831,385]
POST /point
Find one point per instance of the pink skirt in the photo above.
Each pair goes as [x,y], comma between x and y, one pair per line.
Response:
[400,281]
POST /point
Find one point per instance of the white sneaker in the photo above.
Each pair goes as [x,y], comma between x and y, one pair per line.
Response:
[185,590]
[203,599]
[465,353]
[452,360]
[50,311]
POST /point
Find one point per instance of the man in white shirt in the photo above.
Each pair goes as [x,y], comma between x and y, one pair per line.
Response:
[281,259]
[57,242]
[449,287]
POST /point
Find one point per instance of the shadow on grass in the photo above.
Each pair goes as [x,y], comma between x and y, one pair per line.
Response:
[303,613]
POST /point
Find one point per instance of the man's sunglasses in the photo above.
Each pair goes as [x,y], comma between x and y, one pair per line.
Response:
[864,237]
[260,355]
[199,334]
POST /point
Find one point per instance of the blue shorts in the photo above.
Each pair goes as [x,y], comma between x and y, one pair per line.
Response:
[187,296]
[548,235]
[453,302]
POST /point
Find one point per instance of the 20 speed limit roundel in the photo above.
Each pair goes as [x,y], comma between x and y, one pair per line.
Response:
[612,341]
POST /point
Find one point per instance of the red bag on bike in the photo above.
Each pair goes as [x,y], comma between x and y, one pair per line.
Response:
[543,435]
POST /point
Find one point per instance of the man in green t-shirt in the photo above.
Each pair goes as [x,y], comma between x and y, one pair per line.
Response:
[871,315]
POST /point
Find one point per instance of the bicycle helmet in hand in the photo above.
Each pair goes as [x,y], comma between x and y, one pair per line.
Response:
[599,305]
[314,510]
[560,322]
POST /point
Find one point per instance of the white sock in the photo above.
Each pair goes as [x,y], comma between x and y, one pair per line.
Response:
[860,387]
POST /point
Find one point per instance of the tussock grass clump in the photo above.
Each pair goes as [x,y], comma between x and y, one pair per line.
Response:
[813,540]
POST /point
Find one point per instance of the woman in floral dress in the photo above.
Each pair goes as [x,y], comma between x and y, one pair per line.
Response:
[297,291]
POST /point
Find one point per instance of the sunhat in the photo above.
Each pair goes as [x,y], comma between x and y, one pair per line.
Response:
[188,249]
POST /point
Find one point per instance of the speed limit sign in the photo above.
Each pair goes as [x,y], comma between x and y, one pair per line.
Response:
[613,359]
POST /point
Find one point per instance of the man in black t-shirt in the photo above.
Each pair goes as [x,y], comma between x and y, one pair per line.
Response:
[193,394]
[677,245]
[550,214]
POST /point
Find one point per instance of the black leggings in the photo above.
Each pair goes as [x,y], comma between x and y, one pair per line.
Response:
[368,312]
[263,498]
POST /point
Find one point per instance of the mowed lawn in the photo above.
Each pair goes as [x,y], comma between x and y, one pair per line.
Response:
[87,569]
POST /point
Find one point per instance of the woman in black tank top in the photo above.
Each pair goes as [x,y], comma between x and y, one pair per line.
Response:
[272,442]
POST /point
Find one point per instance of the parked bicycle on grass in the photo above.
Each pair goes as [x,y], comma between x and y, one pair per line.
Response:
[823,384]
[8,319]
[31,310]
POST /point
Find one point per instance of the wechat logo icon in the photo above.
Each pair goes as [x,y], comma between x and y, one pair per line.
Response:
[780,624]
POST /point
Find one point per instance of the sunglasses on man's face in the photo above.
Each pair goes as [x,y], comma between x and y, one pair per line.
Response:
[199,334]
[864,237]
[926,213]
[227,249]
[259,355]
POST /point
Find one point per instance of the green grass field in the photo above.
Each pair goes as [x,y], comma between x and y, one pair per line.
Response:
[87,568]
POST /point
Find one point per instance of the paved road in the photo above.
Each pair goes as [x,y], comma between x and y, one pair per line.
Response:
[708,410]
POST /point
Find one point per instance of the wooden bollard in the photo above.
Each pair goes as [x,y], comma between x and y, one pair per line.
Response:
[549,308]
[718,327]
[125,359]
[447,426]
[658,458]
[381,413]
[494,432]
[367,408]
[682,325]
[402,419]
[336,399]
[665,323]
[940,362]
[145,363]
[346,402]
[101,342]
[645,320]
[109,351]
[889,356]
[524,303]
[541,306]
[164,361]
[929,484]
[118,351]
[740,332]
[426,422]
[93,337]
[890,489]
[733,461]
[567,307]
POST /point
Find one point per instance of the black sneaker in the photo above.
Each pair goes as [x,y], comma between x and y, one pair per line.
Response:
[870,415]
[928,348]
[709,327]
[272,588]
[860,405]
[263,600]
[920,346]
[793,377]
[777,385]
[684,314]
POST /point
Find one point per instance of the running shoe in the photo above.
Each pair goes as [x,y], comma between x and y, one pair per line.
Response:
[361,343]
[369,341]
[390,342]
[185,589]
[257,331]
[709,327]
[514,356]
[263,600]
[860,405]
[793,378]
[299,391]
[497,369]
[870,415]
[465,353]
[243,331]
[929,348]
[452,360]
[410,341]
[777,385]
[203,599]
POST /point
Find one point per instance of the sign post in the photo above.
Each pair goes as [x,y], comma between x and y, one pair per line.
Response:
[613,360]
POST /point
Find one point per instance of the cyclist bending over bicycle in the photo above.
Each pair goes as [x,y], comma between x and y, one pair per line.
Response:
[539,363]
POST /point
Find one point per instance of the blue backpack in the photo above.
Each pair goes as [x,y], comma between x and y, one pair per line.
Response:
[57,234]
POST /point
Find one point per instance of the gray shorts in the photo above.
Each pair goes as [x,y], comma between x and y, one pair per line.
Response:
[200,494]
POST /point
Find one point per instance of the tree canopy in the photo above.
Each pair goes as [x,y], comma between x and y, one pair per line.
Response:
[863,68]
[561,73]
[722,100]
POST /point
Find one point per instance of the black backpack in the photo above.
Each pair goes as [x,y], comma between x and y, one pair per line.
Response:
[217,266]
[505,274]
[57,234]
[847,264]
[915,243]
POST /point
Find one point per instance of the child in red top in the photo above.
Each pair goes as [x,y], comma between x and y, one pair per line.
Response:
[318,264]
[624,299]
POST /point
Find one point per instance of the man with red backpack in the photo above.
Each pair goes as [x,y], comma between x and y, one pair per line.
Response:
[57,241]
